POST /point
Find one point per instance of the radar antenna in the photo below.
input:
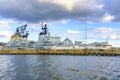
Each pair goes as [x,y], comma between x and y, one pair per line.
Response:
[44,29]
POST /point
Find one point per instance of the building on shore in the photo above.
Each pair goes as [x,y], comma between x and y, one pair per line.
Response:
[65,44]
[94,45]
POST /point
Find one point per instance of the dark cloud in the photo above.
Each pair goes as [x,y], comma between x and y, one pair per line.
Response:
[34,10]
[112,8]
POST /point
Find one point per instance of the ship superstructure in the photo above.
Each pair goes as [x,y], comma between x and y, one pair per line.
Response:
[19,38]
[45,40]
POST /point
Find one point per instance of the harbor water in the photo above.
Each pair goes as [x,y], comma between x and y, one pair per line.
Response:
[58,67]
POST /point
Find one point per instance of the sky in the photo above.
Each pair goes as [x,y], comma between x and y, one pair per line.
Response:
[65,18]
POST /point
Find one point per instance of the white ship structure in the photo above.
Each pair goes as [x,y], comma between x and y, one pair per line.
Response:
[19,40]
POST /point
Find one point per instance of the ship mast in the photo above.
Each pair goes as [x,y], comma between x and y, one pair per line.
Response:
[44,29]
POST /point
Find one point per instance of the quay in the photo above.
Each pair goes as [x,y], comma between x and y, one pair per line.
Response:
[85,52]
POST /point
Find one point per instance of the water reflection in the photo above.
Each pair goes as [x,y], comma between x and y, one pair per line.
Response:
[48,67]
[7,68]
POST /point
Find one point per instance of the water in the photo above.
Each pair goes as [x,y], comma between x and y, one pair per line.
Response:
[50,67]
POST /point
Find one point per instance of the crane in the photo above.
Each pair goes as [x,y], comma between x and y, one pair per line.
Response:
[21,31]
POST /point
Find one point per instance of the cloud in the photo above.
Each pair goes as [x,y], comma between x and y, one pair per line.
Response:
[73,32]
[4,24]
[5,29]
[5,34]
[36,10]
[100,6]
[107,18]
[64,21]
[113,37]
[112,8]
[11,21]
[34,28]
[105,30]
[67,4]
[104,33]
